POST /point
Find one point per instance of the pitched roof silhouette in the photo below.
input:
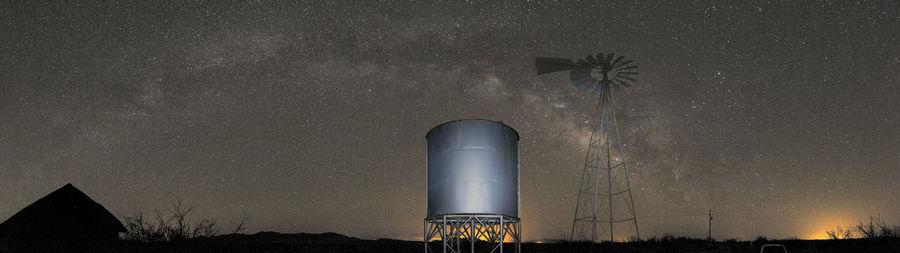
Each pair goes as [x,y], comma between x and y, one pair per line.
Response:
[64,213]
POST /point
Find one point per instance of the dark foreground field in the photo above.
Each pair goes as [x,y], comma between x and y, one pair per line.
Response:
[331,242]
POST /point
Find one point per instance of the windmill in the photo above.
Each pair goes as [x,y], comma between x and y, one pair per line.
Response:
[600,75]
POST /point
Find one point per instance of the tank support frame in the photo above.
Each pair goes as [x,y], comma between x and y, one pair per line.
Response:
[452,229]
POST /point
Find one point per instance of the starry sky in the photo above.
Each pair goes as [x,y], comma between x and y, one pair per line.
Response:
[780,117]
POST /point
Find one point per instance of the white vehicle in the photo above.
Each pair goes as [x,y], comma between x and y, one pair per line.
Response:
[773,248]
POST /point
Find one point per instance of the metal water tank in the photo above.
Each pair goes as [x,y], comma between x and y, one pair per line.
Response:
[473,168]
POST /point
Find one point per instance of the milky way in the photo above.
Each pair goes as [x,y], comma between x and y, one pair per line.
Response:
[311,117]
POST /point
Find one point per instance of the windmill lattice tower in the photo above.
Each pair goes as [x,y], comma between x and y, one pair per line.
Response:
[603,198]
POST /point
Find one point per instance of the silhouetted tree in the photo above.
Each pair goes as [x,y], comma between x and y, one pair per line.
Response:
[876,228]
[240,226]
[174,223]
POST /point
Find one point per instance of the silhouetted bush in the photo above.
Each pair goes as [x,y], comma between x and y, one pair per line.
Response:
[839,233]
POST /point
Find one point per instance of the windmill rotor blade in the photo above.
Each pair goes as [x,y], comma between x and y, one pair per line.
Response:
[627,67]
[622,82]
[624,63]
[549,64]
[591,60]
[609,59]
[626,78]
[582,63]
[602,59]
[581,71]
[594,87]
[627,73]
[581,75]
[618,59]
[581,80]
[590,85]
[584,85]
[578,73]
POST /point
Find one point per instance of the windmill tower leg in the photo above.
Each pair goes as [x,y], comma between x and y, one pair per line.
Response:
[605,152]
[637,232]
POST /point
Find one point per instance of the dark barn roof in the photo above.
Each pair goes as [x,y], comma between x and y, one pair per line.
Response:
[65,214]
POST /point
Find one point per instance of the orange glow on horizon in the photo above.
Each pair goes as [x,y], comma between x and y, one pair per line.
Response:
[817,235]
[817,231]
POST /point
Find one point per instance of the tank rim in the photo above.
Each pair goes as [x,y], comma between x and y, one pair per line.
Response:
[488,120]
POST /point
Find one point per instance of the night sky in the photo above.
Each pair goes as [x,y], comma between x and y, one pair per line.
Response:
[781,118]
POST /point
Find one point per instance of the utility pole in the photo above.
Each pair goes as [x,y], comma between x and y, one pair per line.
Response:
[709,232]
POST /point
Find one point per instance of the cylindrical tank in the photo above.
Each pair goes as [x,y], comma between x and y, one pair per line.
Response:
[473,168]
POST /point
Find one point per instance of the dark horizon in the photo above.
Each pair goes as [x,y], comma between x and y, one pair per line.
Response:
[780,117]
